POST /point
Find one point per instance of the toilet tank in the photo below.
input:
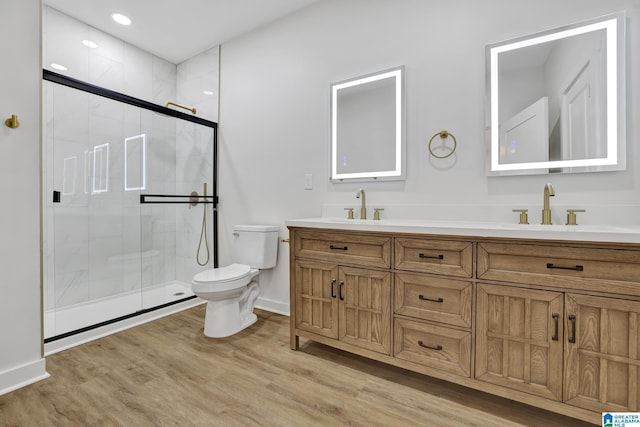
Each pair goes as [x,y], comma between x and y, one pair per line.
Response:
[255,245]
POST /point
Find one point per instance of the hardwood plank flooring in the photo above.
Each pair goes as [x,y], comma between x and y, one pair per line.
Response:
[167,373]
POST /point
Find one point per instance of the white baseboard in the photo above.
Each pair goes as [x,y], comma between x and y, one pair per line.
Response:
[272,306]
[21,376]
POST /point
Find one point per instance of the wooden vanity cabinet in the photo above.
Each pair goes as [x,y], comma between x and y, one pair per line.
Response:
[548,323]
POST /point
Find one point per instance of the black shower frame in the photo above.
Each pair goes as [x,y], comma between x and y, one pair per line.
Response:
[136,102]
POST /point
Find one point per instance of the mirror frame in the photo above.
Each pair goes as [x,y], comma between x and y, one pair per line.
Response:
[614,25]
[398,172]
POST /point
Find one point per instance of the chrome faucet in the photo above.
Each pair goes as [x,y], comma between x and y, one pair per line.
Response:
[546,211]
[363,208]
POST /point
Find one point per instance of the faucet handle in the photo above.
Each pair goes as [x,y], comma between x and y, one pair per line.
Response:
[349,213]
[571,216]
[376,213]
[524,217]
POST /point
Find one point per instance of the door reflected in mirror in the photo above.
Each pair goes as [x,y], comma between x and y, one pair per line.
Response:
[557,100]
[367,127]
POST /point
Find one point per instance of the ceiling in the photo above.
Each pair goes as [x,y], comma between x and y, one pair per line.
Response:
[177,30]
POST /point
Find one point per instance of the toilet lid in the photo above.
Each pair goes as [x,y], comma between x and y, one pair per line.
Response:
[223,274]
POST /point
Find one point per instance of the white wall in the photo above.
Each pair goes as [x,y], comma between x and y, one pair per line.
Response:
[21,359]
[274,115]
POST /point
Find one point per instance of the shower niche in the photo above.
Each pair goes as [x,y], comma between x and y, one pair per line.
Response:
[121,235]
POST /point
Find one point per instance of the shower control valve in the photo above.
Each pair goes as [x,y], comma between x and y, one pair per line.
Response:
[193,200]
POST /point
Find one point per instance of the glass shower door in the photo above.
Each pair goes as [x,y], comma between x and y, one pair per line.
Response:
[176,226]
[92,263]
[122,233]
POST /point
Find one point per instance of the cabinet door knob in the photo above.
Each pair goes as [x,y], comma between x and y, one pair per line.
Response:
[423,298]
[430,347]
[423,256]
[572,337]
[340,292]
[556,317]
[333,289]
[557,267]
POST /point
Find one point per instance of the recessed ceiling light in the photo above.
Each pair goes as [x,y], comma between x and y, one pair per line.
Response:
[89,43]
[121,19]
[59,67]
[207,92]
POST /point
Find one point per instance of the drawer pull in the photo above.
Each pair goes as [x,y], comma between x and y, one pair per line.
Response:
[423,256]
[423,298]
[556,317]
[340,291]
[576,268]
[430,347]
[333,289]
[338,248]
[572,337]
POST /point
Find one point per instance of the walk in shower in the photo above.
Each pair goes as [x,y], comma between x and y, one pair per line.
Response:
[126,218]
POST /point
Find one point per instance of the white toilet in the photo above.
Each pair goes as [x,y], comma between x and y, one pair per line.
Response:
[231,291]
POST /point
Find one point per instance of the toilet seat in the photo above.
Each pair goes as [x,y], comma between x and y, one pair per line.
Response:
[223,278]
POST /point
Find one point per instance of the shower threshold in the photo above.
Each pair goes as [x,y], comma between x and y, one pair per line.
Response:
[159,301]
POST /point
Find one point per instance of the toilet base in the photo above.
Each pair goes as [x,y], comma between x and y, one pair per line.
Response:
[226,317]
[213,328]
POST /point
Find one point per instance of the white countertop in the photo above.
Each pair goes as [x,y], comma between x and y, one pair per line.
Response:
[584,233]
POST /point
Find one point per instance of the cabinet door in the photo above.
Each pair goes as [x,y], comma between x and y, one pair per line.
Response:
[365,308]
[316,302]
[602,367]
[519,339]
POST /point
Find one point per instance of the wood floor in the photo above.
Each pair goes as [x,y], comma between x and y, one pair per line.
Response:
[167,373]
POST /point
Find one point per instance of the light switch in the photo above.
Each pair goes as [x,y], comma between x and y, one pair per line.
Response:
[308,181]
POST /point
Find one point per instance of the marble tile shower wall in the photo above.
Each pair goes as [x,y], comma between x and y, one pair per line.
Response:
[114,65]
[101,243]
[197,86]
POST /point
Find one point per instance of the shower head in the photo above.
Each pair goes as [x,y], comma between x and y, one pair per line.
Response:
[193,110]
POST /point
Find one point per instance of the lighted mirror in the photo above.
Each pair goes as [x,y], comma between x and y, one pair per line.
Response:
[367,127]
[556,100]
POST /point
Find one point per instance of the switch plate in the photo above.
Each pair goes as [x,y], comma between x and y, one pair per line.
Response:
[308,181]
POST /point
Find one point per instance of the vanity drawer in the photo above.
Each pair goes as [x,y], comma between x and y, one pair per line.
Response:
[350,249]
[584,268]
[434,346]
[434,256]
[430,298]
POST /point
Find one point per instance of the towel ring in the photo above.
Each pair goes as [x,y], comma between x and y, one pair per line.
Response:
[443,135]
